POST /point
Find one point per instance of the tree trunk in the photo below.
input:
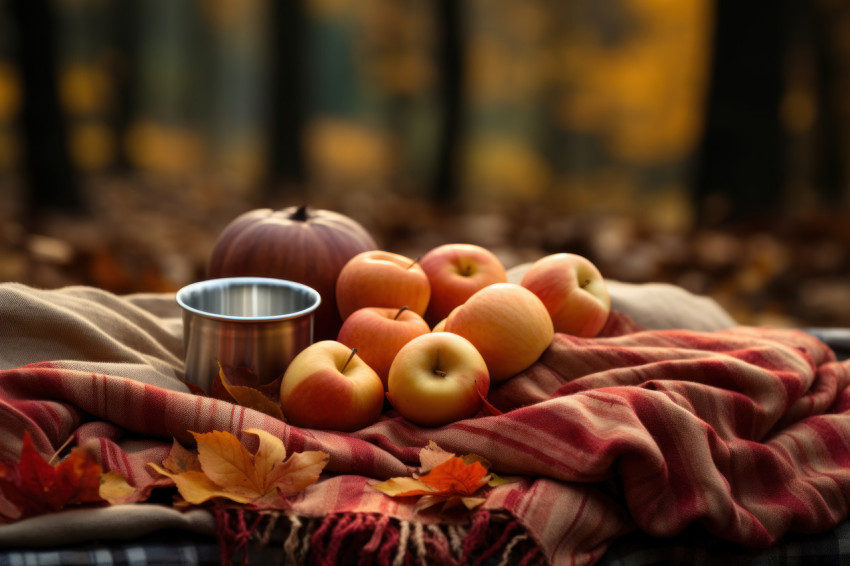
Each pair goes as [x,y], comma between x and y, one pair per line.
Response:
[286,104]
[446,184]
[49,176]
[742,153]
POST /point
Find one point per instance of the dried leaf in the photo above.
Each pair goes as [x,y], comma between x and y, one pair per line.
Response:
[115,489]
[194,388]
[457,477]
[255,399]
[227,470]
[181,460]
[446,478]
[498,480]
[296,472]
[197,487]
[226,461]
[243,377]
[404,487]
[248,394]
[34,487]
[472,502]
[432,455]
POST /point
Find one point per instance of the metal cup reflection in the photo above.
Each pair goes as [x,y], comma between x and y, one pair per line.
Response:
[255,322]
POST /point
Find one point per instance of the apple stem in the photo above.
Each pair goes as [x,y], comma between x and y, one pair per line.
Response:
[414,262]
[401,310]
[437,370]
[348,361]
[585,283]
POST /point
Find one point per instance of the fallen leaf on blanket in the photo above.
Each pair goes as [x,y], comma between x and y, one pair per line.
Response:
[115,489]
[35,487]
[181,460]
[241,386]
[432,455]
[443,478]
[227,470]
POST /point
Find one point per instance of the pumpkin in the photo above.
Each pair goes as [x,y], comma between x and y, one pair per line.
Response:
[309,246]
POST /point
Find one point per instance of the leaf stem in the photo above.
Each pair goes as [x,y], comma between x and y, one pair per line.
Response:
[60,450]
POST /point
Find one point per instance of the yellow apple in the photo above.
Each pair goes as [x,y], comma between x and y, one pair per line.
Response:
[438,378]
[507,324]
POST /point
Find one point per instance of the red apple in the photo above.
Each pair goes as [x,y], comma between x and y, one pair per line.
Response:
[455,272]
[508,325]
[573,290]
[327,386]
[378,333]
[438,378]
[378,278]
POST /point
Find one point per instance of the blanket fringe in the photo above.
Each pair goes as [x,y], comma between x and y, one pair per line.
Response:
[369,539]
[234,530]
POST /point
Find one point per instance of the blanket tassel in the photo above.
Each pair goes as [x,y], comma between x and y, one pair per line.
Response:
[370,539]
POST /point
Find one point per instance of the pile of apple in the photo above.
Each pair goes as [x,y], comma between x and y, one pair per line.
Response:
[430,335]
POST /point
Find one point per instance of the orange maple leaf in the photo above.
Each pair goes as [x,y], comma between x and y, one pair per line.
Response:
[443,478]
[34,487]
[225,469]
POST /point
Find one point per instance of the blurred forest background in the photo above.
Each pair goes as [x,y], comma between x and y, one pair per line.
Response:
[701,142]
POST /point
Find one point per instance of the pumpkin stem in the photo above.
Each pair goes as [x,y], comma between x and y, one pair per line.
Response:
[300,214]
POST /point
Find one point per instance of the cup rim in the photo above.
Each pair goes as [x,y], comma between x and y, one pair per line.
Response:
[245,280]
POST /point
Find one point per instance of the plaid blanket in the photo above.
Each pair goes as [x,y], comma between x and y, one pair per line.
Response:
[741,432]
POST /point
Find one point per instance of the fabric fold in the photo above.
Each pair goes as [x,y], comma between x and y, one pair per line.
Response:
[742,431]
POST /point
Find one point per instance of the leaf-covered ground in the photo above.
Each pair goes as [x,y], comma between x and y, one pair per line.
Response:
[152,235]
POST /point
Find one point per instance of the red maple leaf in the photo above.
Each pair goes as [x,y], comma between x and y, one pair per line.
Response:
[35,487]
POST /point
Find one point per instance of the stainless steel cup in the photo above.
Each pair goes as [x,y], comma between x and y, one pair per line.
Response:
[255,322]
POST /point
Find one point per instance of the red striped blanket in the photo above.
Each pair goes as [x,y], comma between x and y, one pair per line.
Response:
[743,431]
